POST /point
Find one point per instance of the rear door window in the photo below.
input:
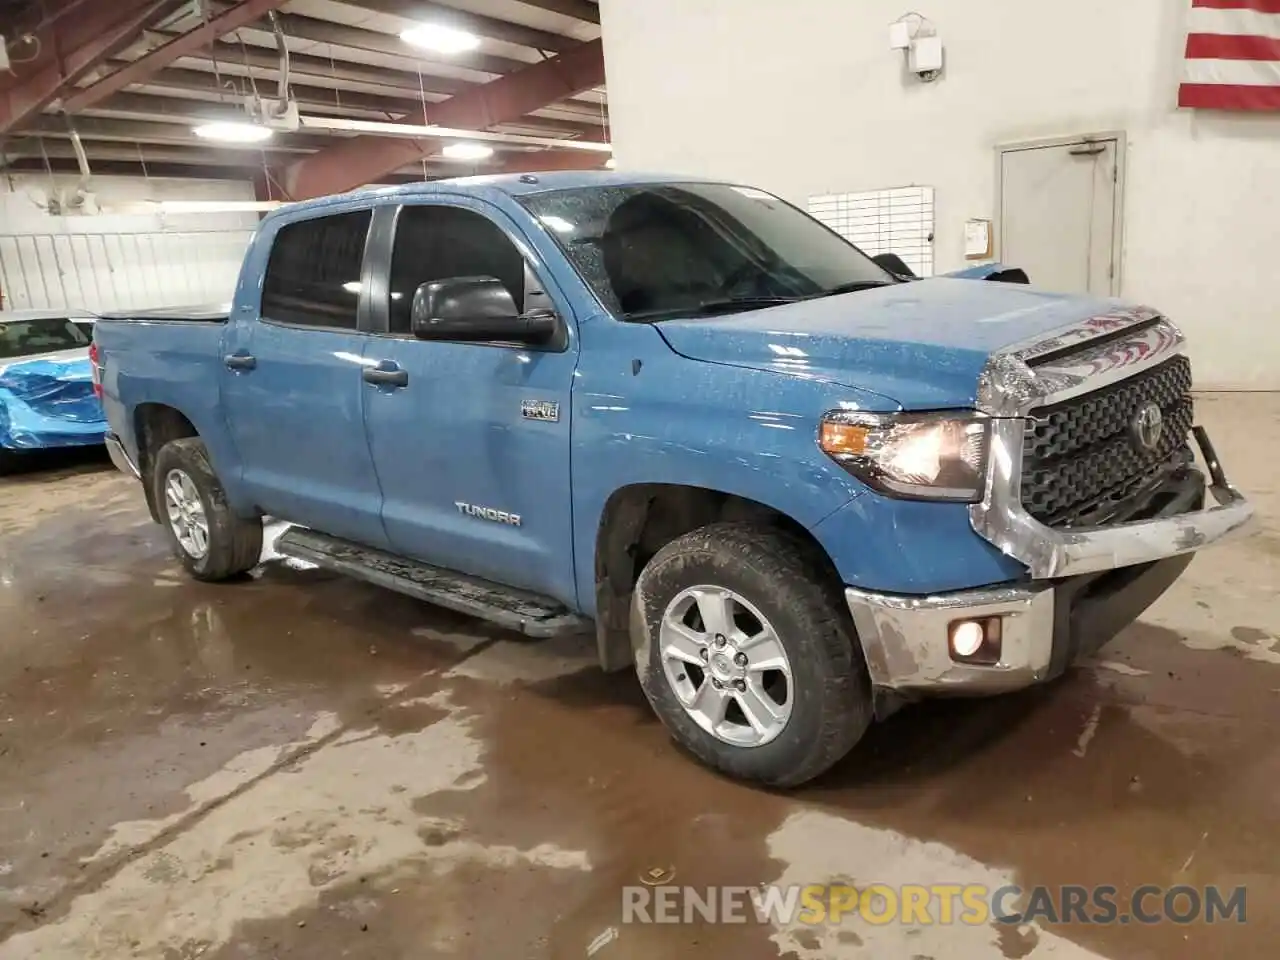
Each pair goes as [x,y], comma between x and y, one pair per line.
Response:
[313,275]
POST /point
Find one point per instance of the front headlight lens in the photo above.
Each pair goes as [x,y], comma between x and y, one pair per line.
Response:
[922,456]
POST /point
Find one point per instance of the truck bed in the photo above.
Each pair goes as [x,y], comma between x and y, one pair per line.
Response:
[168,358]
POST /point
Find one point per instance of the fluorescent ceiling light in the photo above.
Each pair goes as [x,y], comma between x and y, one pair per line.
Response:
[440,39]
[460,134]
[233,132]
[467,151]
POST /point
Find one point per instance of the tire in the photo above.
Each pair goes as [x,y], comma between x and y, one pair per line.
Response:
[232,545]
[784,589]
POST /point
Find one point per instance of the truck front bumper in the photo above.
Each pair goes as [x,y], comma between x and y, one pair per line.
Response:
[1044,627]
[1043,624]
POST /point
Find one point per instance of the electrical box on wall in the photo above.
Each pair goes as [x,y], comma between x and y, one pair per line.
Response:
[899,35]
[925,55]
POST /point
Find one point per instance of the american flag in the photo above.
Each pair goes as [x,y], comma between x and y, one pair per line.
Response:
[1233,56]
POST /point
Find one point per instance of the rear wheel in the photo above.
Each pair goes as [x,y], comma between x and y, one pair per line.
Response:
[204,534]
[746,653]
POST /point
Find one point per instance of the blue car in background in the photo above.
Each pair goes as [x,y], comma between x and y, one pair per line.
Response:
[47,397]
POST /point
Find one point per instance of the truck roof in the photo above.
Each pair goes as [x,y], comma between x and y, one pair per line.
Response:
[511,184]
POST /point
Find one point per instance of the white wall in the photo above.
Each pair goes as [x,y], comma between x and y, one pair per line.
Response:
[118,261]
[805,97]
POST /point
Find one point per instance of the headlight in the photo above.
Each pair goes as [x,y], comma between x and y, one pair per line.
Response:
[919,456]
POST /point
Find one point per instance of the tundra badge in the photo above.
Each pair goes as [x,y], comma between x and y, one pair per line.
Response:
[487,513]
[547,410]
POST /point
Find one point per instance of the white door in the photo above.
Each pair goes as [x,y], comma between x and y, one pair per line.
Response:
[1059,210]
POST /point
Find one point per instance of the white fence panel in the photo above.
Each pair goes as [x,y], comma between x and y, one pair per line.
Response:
[119,270]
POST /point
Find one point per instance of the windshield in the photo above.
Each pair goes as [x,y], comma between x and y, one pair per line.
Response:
[29,338]
[650,251]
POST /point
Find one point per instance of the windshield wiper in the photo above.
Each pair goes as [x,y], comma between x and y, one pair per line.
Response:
[853,286]
[709,308]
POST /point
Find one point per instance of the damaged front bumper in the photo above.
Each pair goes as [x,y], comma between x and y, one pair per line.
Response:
[1084,586]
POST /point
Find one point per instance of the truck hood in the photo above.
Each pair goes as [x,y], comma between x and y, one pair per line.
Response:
[920,344]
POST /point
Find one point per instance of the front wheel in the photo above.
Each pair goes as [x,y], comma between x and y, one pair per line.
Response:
[746,653]
[210,540]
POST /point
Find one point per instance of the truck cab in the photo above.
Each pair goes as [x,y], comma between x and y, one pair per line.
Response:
[792,489]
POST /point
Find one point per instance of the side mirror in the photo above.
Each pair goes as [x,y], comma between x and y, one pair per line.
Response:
[475,309]
[894,264]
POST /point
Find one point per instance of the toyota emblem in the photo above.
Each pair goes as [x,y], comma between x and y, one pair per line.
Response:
[1147,426]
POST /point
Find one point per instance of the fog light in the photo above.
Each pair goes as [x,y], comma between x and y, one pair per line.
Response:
[966,638]
[975,641]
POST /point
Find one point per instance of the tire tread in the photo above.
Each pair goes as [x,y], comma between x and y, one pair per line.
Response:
[814,599]
[235,543]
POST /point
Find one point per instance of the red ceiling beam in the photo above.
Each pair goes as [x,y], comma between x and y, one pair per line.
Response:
[231,19]
[372,41]
[71,49]
[515,161]
[481,26]
[362,160]
[552,160]
[578,9]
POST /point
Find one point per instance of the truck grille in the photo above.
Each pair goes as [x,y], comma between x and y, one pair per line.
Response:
[1081,456]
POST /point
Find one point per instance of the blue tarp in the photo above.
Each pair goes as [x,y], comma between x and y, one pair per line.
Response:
[49,403]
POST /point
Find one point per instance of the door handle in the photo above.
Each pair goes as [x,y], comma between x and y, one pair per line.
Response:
[240,361]
[386,376]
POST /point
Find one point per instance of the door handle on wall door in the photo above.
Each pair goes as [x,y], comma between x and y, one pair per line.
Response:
[386,377]
[240,361]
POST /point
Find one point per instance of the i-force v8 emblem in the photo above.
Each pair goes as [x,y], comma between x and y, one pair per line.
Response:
[545,410]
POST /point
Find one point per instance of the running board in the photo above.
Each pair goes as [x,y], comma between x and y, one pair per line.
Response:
[527,613]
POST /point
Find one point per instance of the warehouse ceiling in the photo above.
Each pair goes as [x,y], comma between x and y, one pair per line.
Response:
[133,79]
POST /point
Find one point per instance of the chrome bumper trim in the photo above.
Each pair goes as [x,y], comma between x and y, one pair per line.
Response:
[1049,553]
[1090,356]
[904,639]
[120,457]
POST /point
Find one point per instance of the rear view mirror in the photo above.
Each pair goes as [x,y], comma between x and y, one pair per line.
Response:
[475,309]
[894,264]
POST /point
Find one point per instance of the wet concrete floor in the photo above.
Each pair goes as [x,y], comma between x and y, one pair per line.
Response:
[302,766]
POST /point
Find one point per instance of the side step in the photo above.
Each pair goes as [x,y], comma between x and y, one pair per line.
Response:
[517,610]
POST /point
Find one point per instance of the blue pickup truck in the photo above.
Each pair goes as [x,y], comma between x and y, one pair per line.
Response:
[793,487]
